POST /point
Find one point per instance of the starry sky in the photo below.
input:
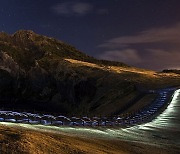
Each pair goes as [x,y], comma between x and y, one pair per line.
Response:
[141,33]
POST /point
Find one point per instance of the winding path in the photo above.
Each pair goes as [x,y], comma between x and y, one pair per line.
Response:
[142,116]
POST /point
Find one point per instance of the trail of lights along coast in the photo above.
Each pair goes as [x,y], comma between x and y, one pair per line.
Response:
[164,130]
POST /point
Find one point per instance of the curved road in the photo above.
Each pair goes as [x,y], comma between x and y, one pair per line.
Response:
[144,115]
[163,131]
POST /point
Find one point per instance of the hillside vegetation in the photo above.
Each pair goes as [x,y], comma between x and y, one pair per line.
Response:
[42,73]
[19,140]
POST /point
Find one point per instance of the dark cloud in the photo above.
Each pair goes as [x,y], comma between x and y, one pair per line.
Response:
[72,8]
[156,48]
[155,35]
[123,55]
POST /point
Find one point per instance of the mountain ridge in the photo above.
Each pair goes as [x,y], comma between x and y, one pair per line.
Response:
[42,73]
[26,39]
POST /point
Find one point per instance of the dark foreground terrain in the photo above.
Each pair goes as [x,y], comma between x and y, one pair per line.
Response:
[20,140]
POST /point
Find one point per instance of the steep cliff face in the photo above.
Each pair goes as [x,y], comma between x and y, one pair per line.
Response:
[41,73]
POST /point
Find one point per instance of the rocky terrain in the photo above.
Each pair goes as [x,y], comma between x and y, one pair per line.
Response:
[44,74]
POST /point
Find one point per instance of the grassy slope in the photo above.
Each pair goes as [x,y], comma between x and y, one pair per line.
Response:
[146,100]
[21,140]
[117,96]
[150,79]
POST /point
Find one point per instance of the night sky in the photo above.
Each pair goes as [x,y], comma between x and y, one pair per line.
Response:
[142,33]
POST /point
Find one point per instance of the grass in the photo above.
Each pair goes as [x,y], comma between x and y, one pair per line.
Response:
[18,140]
[146,100]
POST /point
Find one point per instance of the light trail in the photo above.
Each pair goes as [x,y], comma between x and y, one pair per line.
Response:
[163,130]
[142,116]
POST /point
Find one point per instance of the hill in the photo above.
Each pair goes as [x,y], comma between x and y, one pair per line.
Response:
[24,140]
[45,74]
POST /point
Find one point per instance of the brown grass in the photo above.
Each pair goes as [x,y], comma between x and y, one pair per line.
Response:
[119,69]
[28,141]
[25,141]
[115,69]
[147,99]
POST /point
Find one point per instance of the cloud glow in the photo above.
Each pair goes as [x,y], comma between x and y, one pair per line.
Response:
[155,48]
[72,8]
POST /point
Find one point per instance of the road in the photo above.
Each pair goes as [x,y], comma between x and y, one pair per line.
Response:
[163,131]
[146,114]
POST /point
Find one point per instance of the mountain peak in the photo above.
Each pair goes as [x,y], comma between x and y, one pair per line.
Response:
[25,46]
[24,32]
